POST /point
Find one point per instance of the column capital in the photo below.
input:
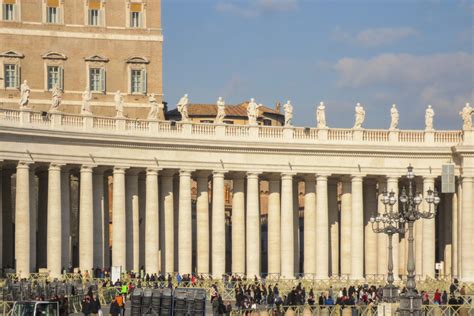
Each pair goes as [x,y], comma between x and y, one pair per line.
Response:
[87,168]
[120,169]
[322,176]
[55,166]
[253,174]
[218,173]
[23,164]
[287,175]
[152,171]
[357,177]
[185,172]
[466,179]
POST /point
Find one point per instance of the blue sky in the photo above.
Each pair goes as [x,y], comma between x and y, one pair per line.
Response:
[412,53]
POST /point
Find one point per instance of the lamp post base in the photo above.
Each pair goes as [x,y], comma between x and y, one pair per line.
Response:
[410,304]
[390,293]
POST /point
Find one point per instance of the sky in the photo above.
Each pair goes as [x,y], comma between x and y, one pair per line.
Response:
[376,52]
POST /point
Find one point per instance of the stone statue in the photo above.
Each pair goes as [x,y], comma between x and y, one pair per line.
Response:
[359,116]
[429,115]
[466,115]
[321,115]
[288,109]
[395,117]
[220,111]
[183,108]
[24,94]
[153,107]
[56,100]
[86,102]
[118,99]
[252,111]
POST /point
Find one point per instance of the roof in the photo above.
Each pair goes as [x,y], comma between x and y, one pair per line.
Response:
[239,110]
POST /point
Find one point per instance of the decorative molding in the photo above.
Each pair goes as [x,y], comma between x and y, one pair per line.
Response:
[54,56]
[97,59]
[11,54]
[137,60]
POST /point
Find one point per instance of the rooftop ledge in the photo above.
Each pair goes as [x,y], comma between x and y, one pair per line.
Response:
[58,121]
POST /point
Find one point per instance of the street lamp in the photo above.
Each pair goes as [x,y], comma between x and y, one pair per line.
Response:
[410,301]
[389,223]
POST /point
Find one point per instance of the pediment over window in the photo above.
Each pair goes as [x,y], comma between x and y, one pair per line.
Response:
[137,60]
[12,54]
[97,59]
[54,55]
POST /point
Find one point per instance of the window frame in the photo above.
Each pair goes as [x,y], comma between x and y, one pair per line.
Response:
[13,12]
[102,79]
[60,77]
[141,17]
[59,16]
[16,72]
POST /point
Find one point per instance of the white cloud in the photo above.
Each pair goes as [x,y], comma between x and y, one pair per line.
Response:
[254,8]
[444,80]
[374,37]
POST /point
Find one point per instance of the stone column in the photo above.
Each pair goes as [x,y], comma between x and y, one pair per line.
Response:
[22,220]
[86,220]
[392,185]
[287,242]
[65,218]
[346,236]
[322,227]
[184,223]
[454,235]
[357,230]
[152,222]
[419,233]
[218,224]
[428,233]
[142,221]
[202,222]
[119,246]
[1,219]
[33,217]
[41,219]
[54,221]
[460,225]
[274,225]
[167,201]
[333,228]
[99,218]
[467,227]
[8,233]
[446,232]
[296,227]
[108,180]
[382,240]
[371,246]
[253,226]
[238,225]
[310,226]
[132,217]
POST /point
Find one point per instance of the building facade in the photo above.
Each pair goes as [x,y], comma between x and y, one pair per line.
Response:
[78,45]
[153,165]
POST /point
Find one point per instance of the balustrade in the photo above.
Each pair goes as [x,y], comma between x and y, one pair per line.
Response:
[287,134]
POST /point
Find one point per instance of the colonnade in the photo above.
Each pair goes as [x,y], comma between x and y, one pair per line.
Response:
[154,208]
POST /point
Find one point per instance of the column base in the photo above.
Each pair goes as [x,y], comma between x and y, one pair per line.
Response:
[390,293]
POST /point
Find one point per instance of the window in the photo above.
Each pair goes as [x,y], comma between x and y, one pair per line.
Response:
[9,11]
[135,15]
[52,15]
[267,122]
[138,81]
[94,16]
[11,76]
[97,79]
[55,77]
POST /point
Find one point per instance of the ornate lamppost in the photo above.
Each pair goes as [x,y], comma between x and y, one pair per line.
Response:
[389,223]
[410,301]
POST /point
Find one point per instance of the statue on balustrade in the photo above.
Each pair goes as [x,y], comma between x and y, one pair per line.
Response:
[466,115]
[321,115]
[395,117]
[252,111]
[429,115]
[220,111]
[153,107]
[118,99]
[183,108]
[288,109]
[86,102]
[359,116]
[24,95]
[56,100]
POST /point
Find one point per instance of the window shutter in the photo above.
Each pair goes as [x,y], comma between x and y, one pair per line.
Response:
[102,79]
[144,81]
[18,76]
[61,78]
